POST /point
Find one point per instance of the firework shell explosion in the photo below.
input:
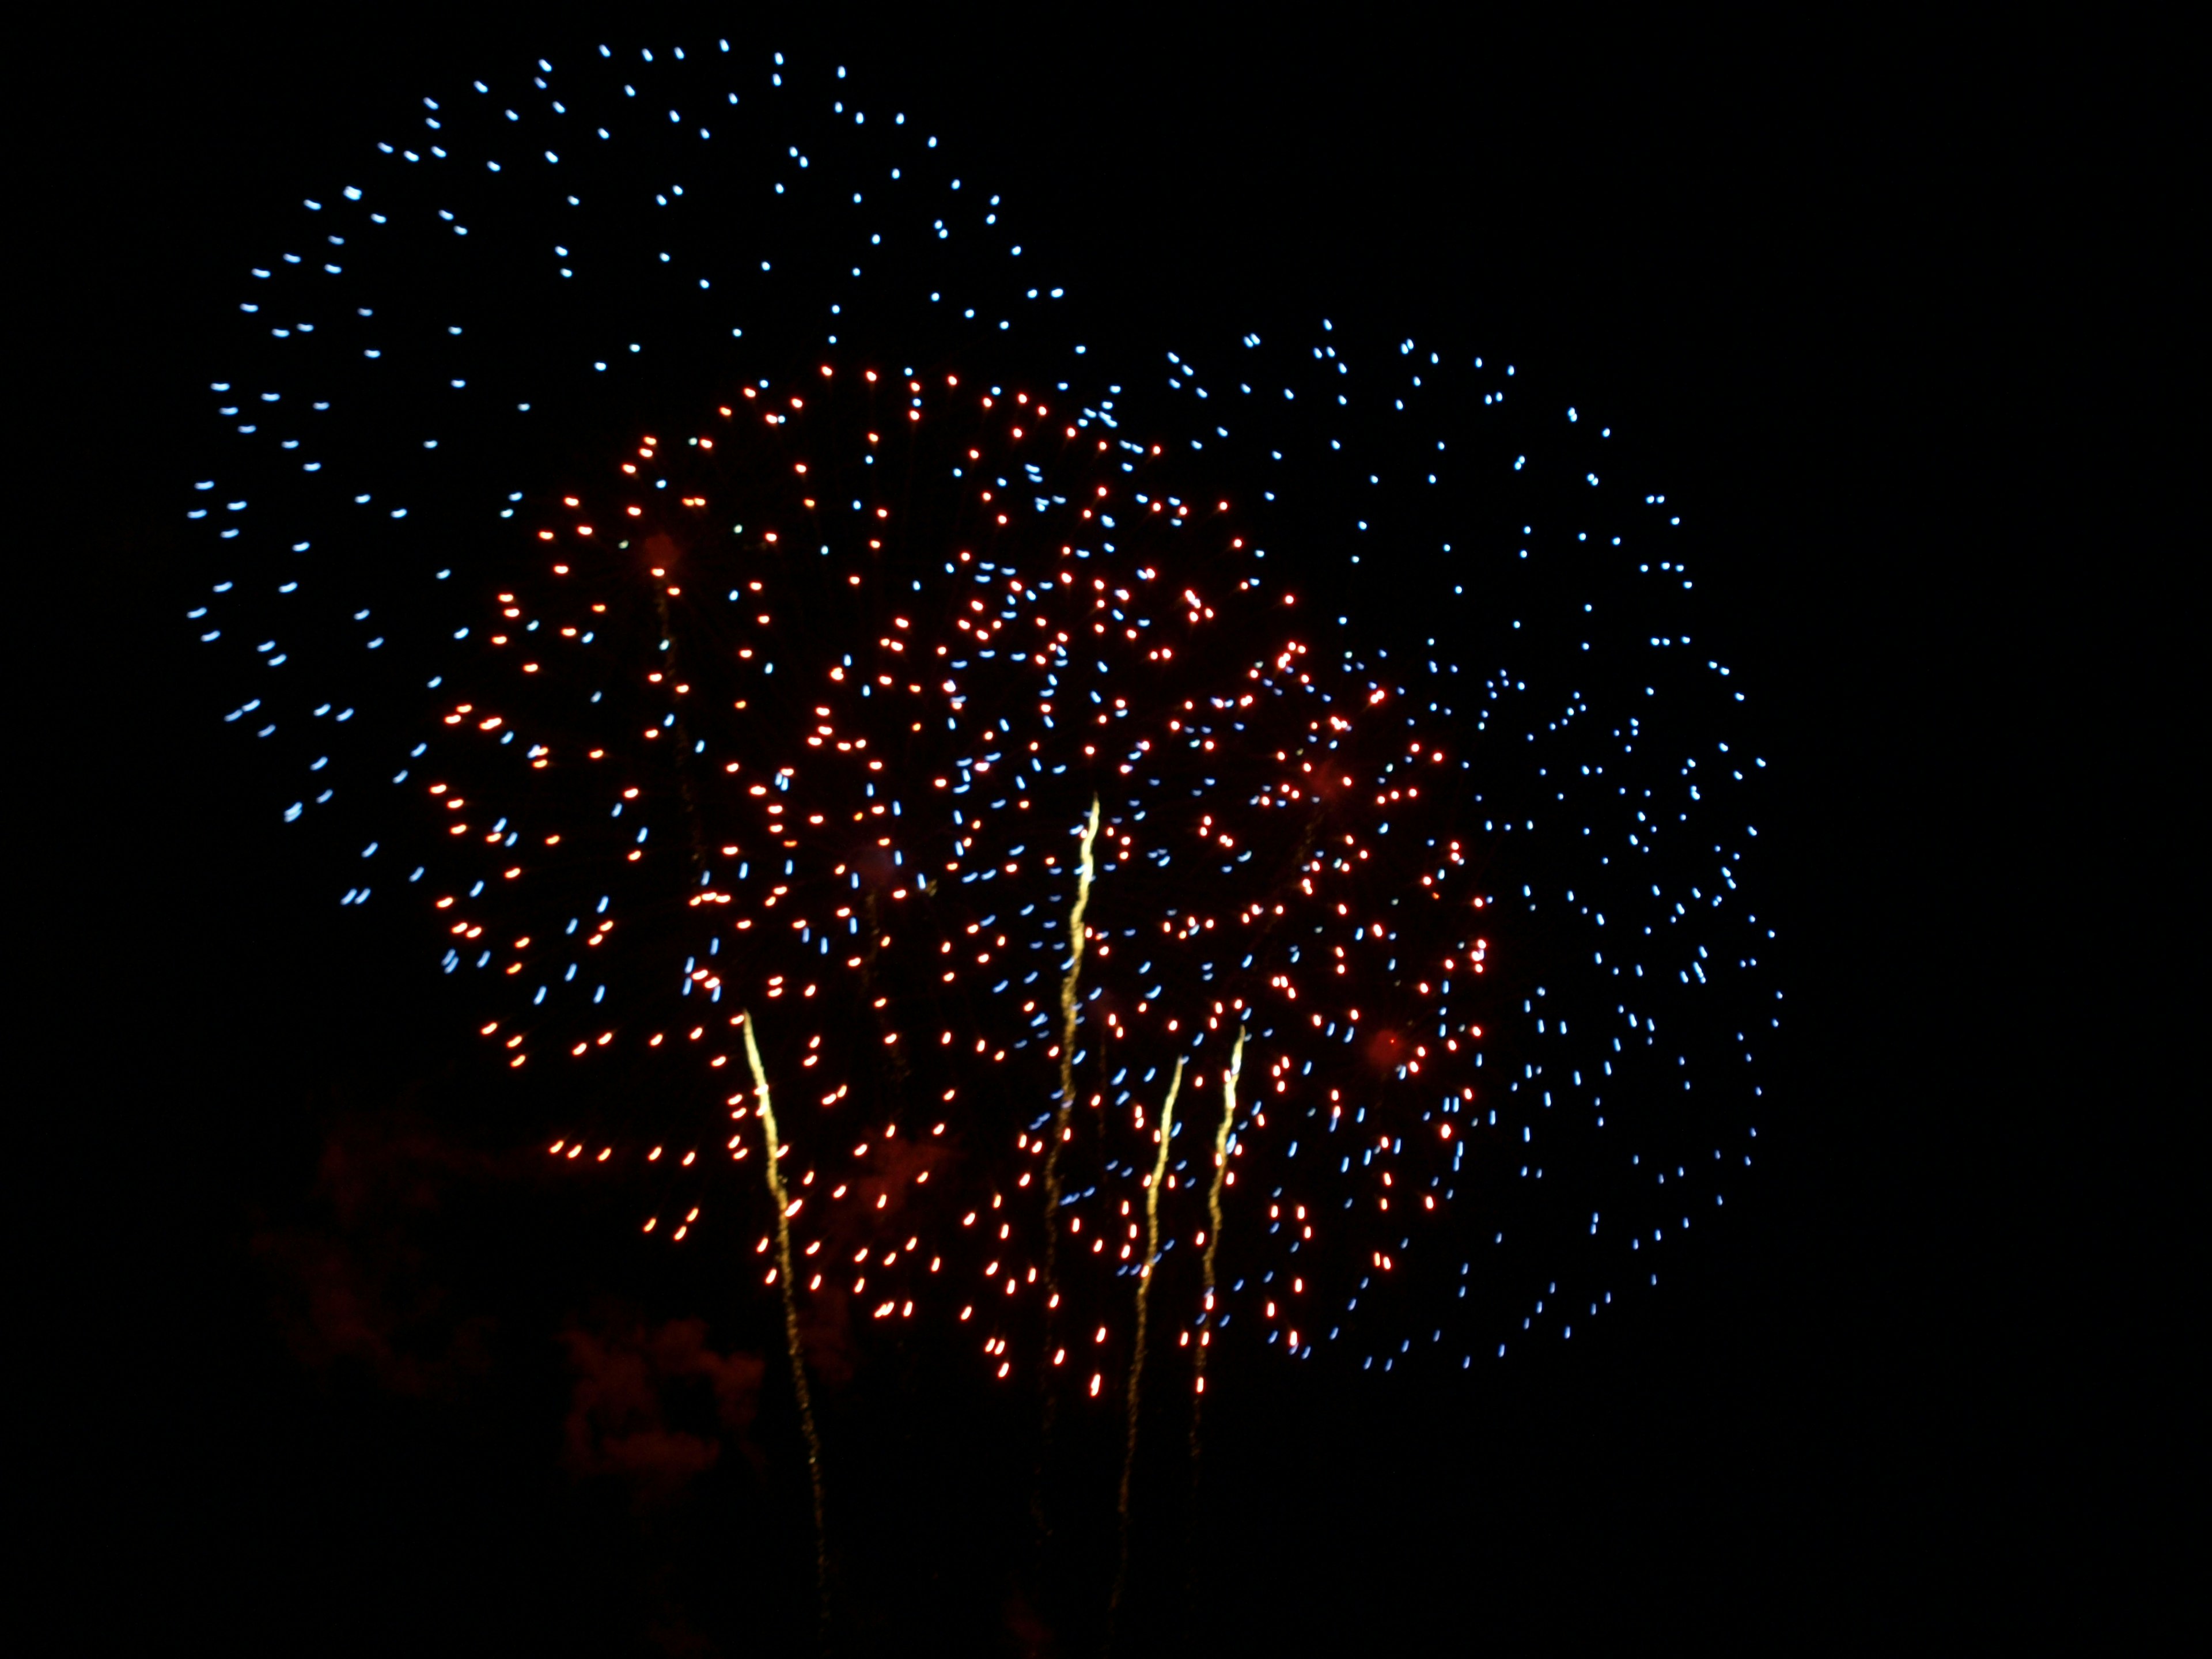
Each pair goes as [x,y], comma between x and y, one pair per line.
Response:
[998,831]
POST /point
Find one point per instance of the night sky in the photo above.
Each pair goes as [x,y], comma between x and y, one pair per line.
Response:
[1882,311]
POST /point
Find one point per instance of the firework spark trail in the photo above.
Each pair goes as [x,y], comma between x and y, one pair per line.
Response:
[770,1149]
[1221,1136]
[1048,1352]
[1138,1341]
[1063,1120]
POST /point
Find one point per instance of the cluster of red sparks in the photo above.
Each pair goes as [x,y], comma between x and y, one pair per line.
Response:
[966,751]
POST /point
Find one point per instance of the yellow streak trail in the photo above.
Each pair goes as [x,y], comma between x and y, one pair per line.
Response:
[776,1191]
[1213,1226]
[1136,1354]
[1063,1118]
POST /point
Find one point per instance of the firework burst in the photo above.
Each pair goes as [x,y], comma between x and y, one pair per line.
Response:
[1247,851]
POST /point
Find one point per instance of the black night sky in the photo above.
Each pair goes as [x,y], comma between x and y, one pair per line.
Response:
[1886,307]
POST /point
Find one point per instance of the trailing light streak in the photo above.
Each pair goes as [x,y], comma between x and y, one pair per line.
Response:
[1221,1175]
[1137,1341]
[772,1171]
[1062,1125]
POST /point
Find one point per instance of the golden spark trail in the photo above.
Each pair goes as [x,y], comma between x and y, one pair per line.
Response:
[1214,1232]
[775,1188]
[1062,1119]
[1136,1352]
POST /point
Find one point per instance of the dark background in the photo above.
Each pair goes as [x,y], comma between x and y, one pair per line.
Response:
[1892,309]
